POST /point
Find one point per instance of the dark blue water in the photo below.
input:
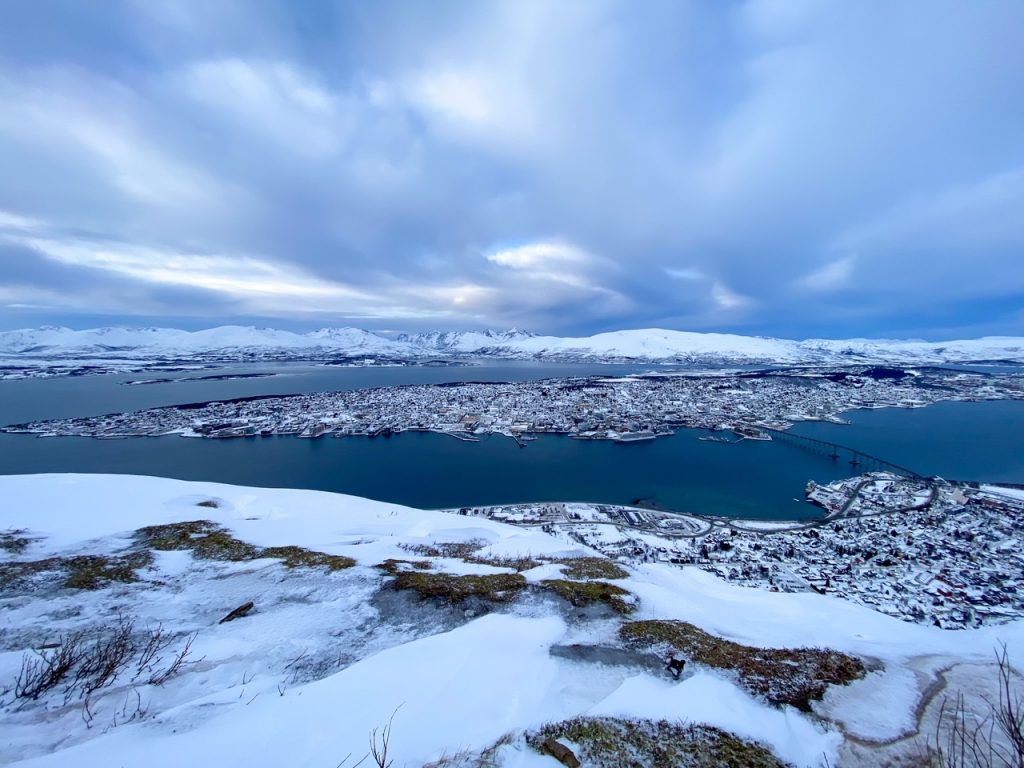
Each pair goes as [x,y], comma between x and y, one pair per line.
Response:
[958,441]
[429,470]
[982,441]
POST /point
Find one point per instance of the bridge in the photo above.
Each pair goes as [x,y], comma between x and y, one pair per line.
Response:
[859,460]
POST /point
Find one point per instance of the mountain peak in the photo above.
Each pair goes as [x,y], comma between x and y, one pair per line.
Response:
[648,345]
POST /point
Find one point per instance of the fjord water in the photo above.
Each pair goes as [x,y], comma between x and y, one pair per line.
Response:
[750,479]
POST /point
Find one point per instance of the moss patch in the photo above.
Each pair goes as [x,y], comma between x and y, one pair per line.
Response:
[394,567]
[456,549]
[15,541]
[497,587]
[95,571]
[298,557]
[605,742]
[516,563]
[206,540]
[582,593]
[79,571]
[782,675]
[590,568]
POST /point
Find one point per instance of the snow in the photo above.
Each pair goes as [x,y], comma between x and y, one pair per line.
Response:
[661,344]
[763,525]
[651,344]
[878,707]
[707,698]
[1015,493]
[451,680]
[444,692]
[227,339]
[780,619]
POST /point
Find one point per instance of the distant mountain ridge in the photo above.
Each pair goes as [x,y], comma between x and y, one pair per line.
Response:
[228,341]
[648,345]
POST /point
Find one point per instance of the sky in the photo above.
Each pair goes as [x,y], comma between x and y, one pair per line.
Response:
[796,168]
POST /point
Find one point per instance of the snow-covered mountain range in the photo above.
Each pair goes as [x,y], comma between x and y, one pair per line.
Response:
[653,345]
[228,341]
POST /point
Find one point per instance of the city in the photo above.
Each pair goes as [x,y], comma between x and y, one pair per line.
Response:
[925,551]
[603,408]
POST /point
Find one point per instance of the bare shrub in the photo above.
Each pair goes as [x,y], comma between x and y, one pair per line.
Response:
[109,654]
[43,670]
[993,738]
[151,650]
[86,663]
[380,741]
[176,663]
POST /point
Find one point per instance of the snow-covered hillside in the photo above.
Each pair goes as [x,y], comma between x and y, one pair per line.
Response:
[326,656]
[476,342]
[228,341]
[656,344]
[651,344]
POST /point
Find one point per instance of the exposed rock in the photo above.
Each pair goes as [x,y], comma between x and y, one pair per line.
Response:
[560,752]
[239,612]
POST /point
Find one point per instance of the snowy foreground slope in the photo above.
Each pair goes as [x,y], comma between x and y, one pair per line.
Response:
[327,657]
[650,344]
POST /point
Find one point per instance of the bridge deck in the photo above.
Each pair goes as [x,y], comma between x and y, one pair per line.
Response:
[836,447]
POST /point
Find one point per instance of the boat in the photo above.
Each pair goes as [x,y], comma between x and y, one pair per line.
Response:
[634,437]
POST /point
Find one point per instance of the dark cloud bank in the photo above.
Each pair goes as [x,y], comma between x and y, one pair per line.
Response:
[771,167]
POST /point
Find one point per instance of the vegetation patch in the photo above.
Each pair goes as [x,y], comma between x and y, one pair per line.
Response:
[95,571]
[206,540]
[782,675]
[79,571]
[456,549]
[497,587]
[518,563]
[394,567]
[15,541]
[209,541]
[583,593]
[299,557]
[590,568]
[606,742]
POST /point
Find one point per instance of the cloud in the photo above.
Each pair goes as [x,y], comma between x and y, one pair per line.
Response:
[722,296]
[833,276]
[540,255]
[566,167]
[271,98]
[726,298]
[685,273]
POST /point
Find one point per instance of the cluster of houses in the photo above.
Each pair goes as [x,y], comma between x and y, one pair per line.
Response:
[926,551]
[622,409]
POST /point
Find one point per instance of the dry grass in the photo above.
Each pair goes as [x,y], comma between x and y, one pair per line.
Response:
[14,540]
[605,742]
[208,541]
[78,571]
[455,549]
[394,567]
[793,676]
[518,563]
[204,539]
[590,568]
[298,557]
[496,587]
[583,593]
